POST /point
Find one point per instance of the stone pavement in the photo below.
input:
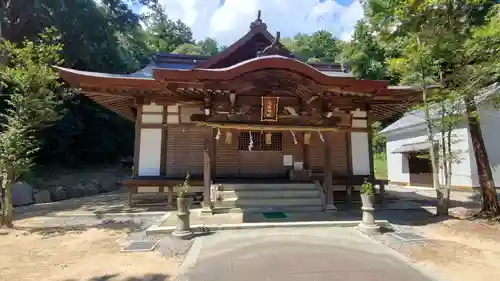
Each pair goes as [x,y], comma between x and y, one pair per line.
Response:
[294,254]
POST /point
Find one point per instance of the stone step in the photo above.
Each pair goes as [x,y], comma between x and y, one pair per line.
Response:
[270,194]
[265,187]
[262,209]
[268,202]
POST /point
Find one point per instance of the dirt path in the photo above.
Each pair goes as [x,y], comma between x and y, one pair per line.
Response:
[92,255]
[459,250]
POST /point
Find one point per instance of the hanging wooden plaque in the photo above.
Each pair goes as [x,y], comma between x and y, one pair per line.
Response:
[269,109]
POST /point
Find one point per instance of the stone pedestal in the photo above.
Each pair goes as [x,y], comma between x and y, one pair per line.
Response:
[183,229]
[330,208]
[367,224]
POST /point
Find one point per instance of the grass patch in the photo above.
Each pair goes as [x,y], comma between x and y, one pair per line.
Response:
[380,165]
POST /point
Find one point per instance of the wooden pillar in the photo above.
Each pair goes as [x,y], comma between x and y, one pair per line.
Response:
[164,143]
[349,187]
[213,150]
[207,170]
[137,140]
[137,148]
[305,153]
[370,140]
[328,172]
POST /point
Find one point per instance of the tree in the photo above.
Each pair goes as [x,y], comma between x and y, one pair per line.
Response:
[31,84]
[483,69]
[166,35]
[364,56]
[444,27]
[188,49]
[209,46]
[321,45]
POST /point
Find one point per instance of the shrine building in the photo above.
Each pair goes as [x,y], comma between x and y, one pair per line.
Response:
[253,112]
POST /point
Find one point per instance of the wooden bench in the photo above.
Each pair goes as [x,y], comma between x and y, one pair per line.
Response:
[158,187]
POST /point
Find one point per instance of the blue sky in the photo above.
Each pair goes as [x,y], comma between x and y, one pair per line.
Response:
[228,20]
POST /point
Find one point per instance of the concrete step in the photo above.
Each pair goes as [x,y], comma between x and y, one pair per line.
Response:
[268,202]
[270,194]
[261,209]
[266,187]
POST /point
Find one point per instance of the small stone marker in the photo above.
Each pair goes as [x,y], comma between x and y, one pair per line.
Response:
[140,246]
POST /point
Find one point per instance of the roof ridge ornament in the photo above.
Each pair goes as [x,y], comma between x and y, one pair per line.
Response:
[258,22]
[273,49]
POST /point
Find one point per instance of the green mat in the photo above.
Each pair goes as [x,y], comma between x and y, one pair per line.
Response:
[274,215]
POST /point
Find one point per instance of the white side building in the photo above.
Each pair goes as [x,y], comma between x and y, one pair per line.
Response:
[407,146]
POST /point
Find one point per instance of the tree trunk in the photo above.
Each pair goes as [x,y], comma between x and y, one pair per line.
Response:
[443,191]
[7,202]
[442,209]
[488,191]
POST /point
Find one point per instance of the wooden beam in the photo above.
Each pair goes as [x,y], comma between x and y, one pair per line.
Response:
[277,127]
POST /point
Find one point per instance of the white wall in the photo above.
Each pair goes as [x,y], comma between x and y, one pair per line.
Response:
[461,168]
[150,152]
[397,163]
[150,141]
[360,153]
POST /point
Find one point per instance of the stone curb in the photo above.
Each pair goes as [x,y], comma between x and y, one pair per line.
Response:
[156,229]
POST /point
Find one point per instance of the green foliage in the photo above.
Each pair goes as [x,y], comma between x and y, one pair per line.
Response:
[364,55]
[380,165]
[165,35]
[188,49]
[320,46]
[105,37]
[184,187]
[208,46]
[32,103]
[378,140]
[367,188]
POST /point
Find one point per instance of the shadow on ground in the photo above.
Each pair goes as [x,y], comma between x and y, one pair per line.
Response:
[403,208]
[99,205]
[112,277]
[109,224]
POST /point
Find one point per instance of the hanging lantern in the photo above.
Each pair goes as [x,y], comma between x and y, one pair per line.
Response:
[229,137]
[307,137]
[268,138]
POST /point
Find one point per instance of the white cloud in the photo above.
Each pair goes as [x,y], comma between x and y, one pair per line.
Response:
[229,22]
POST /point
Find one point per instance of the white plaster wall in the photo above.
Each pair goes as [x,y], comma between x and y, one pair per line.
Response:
[150,152]
[152,118]
[461,168]
[360,153]
[490,128]
[152,108]
[397,163]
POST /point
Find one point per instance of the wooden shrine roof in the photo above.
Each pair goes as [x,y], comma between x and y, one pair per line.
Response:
[118,92]
[256,63]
